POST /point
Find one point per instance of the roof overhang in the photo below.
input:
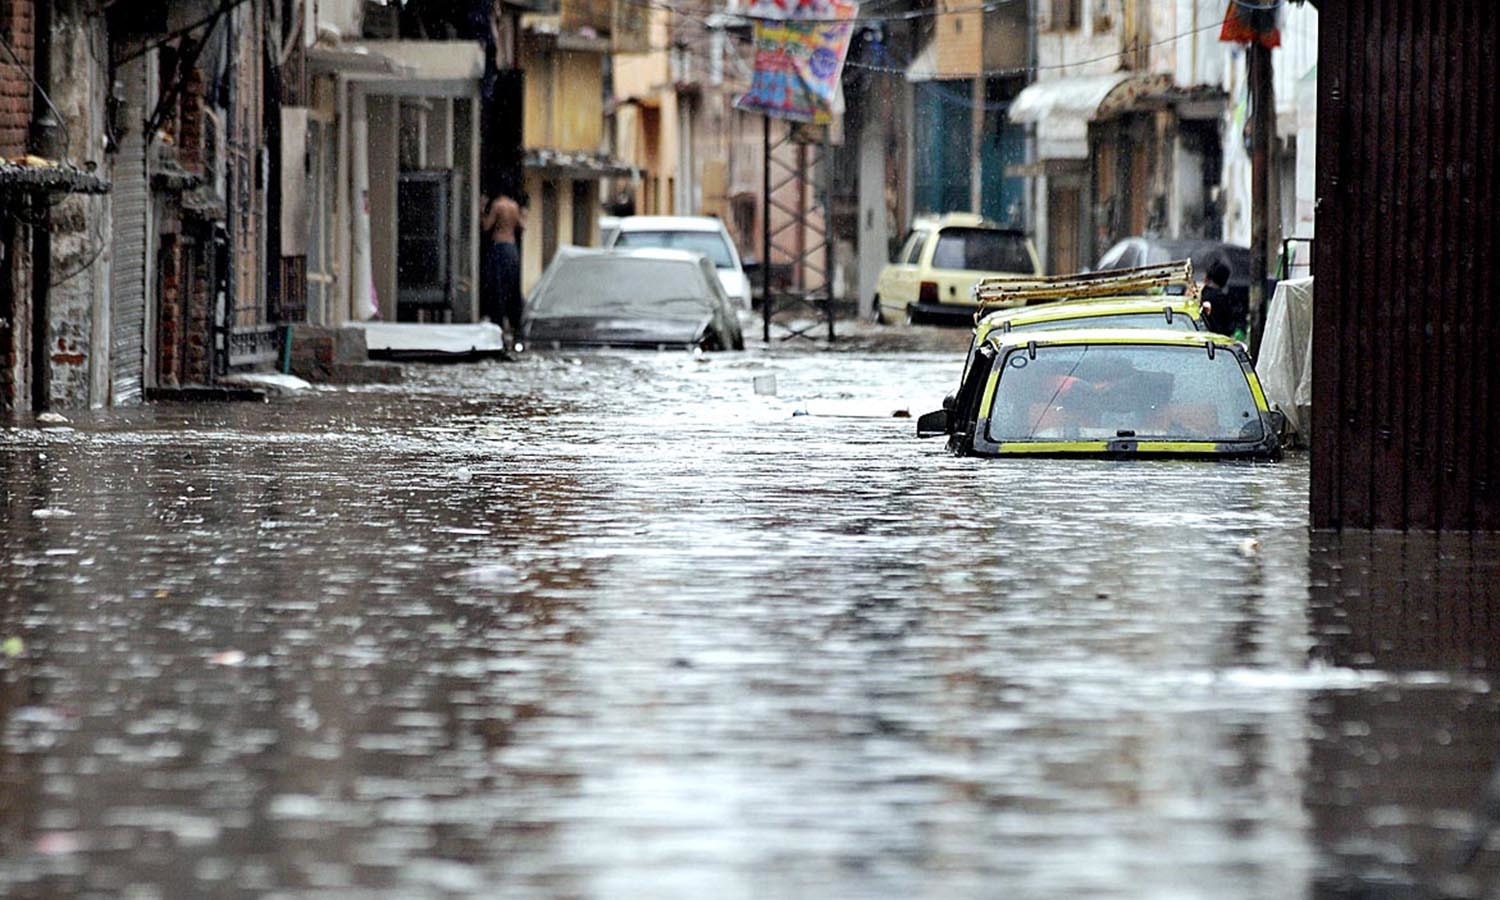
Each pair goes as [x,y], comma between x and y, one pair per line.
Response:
[578,165]
[38,176]
[1062,108]
[415,68]
[550,26]
[350,59]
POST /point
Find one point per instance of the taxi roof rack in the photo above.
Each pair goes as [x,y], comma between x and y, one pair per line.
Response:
[1023,290]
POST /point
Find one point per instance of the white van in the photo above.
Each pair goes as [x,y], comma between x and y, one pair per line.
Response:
[703,234]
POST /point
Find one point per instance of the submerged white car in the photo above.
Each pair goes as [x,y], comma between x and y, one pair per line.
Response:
[700,234]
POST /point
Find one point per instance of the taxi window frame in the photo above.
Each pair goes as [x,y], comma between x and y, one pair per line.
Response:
[911,251]
[1001,360]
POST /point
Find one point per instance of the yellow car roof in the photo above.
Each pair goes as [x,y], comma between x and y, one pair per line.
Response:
[1062,310]
[961,219]
[1153,336]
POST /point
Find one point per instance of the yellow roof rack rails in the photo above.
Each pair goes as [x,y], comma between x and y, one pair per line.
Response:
[1022,290]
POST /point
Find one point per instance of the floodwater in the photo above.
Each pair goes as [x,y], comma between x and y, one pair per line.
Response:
[617,625]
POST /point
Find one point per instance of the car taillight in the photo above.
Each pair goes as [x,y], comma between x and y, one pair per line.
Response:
[928,292]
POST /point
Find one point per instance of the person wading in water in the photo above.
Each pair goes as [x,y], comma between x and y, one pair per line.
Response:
[503,221]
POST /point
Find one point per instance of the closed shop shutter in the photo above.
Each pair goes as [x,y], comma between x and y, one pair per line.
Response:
[131,266]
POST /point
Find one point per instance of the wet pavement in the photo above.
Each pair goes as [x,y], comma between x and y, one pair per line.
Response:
[617,625]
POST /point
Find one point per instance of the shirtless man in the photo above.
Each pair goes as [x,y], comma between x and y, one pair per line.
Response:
[503,221]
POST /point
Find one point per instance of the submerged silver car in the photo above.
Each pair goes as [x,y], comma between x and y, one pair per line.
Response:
[631,298]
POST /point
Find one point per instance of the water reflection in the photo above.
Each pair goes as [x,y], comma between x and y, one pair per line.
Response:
[1401,754]
[615,624]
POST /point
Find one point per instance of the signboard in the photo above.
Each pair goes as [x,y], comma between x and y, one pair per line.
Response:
[799,55]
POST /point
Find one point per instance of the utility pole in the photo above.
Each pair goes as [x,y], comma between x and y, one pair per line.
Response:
[1262,134]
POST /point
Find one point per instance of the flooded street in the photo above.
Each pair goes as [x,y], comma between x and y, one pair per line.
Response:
[617,625]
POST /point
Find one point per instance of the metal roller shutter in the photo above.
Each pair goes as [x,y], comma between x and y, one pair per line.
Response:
[128,276]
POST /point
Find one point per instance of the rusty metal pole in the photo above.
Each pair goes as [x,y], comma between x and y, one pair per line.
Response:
[1262,132]
[799,239]
[825,186]
[765,230]
[43,141]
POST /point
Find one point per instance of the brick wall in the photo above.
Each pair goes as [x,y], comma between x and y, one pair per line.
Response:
[185,322]
[198,348]
[16,27]
[190,123]
[169,318]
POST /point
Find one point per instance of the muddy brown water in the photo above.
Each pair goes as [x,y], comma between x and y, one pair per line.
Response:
[617,625]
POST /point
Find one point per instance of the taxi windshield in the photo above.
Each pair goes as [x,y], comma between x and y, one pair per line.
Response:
[1108,391]
[1180,322]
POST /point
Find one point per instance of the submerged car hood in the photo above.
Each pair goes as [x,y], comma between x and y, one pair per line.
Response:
[615,331]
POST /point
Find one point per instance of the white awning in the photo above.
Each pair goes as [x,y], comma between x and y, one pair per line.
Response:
[1062,108]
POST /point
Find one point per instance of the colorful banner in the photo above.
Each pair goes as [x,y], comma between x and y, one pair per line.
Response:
[799,55]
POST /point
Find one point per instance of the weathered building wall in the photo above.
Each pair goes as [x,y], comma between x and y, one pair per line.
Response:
[1406,394]
[385,153]
[579,121]
[338,18]
[15,317]
[16,26]
[78,304]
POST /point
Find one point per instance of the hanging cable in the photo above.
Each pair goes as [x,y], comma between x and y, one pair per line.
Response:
[61,122]
[907,16]
[1032,70]
[898,69]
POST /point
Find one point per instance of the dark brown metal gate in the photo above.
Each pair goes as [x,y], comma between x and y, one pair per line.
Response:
[1405,368]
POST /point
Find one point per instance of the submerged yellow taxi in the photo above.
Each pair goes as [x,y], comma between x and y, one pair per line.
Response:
[1109,392]
[1180,312]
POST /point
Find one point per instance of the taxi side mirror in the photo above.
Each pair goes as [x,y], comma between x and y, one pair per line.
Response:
[1276,419]
[933,424]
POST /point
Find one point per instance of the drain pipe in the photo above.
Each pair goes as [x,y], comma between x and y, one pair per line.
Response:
[44,139]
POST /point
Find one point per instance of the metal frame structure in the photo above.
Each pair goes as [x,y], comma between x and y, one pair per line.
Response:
[797,165]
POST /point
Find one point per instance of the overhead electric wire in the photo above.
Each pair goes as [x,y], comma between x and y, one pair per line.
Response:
[61,120]
[901,69]
[147,47]
[857,19]
[1031,70]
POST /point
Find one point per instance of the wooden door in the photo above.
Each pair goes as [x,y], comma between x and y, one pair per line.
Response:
[1062,229]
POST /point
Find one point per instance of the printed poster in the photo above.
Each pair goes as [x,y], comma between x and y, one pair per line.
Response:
[800,47]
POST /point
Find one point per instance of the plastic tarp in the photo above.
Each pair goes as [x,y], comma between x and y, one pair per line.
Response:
[415,337]
[1285,363]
